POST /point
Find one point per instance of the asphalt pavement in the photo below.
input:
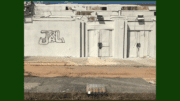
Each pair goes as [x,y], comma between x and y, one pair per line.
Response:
[78,84]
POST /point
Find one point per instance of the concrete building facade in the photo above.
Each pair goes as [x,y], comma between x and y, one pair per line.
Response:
[89,30]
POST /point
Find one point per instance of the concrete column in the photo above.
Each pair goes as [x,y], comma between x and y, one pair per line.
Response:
[85,39]
[82,38]
[152,41]
[155,37]
[116,39]
[125,39]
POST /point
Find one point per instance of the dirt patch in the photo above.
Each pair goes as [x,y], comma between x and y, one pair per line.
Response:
[51,63]
[150,80]
[97,61]
[90,71]
[84,96]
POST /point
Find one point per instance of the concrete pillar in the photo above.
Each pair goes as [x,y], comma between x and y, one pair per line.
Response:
[125,38]
[85,39]
[116,39]
[152,41]
[155,37]
[82,38]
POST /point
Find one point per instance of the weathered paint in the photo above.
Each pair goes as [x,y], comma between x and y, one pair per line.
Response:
[78,30]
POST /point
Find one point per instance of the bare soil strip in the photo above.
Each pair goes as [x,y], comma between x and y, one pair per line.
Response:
[86,71]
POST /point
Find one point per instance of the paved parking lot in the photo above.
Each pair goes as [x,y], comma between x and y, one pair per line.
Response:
[78,84]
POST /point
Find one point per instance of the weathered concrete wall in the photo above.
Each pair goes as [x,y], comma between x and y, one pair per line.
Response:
[135,13]
[152,41]
[75,36]
[97,26]
[69,30]
[141,25]
[148,30]
[118,40]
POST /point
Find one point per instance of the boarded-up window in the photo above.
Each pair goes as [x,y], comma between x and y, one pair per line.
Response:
[91,19]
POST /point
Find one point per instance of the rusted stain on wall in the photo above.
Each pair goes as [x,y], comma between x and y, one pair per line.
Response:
[143,8]
[83,13]
[95,8]
[135,8]
[91,19]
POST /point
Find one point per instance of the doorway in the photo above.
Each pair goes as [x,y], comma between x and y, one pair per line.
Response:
[99,43]
[138,43]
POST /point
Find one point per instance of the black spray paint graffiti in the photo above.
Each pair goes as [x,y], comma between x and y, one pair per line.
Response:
[50,37]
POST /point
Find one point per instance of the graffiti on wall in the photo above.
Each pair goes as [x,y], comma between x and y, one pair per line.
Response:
[51,36]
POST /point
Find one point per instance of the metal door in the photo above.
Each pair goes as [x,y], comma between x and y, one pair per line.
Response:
[93,43]
[143,40]
[99,43]
[138,43]
[104,44]
[133,44]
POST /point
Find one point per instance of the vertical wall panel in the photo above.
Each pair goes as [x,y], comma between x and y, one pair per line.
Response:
[145,43]
[93,41]
[133,42]
[141,39]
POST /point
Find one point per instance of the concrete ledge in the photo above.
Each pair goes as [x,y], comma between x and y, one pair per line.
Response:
[49,64]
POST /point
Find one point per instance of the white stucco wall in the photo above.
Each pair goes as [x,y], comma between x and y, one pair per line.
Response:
[69,30]
[152,41]
[76,37]
[135,13]
[143,28]
[118,38]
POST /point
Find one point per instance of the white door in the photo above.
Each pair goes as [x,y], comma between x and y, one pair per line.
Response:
[133,44]
[99,43]
[105,37]
[93,43]
[138,37]
[143,50]
[141,41]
